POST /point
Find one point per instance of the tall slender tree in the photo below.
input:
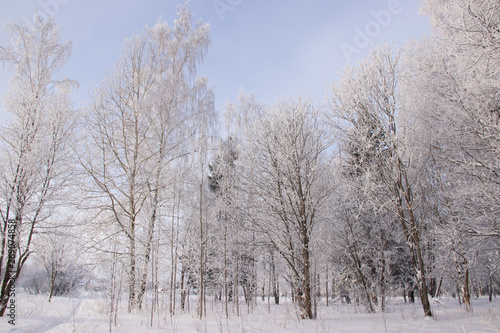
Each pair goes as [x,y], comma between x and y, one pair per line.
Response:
[143,117]
[35,149]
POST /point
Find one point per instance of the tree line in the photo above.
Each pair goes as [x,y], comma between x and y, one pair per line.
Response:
[390,187]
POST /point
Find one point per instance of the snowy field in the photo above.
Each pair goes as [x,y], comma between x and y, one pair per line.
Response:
[36,314]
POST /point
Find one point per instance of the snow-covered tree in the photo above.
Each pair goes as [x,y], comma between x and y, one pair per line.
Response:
[462,78]
[141,119]
[366,109]
[452,84]
[366,247]
[35,151]
[287,174]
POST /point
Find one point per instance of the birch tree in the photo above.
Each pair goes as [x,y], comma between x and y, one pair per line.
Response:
[35,148]
[141,119]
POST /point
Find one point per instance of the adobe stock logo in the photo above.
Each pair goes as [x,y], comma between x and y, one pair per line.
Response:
[223,6]
[364,37]
[51,8]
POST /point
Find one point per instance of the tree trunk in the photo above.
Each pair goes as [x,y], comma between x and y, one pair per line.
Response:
[306,282]
[326,287]
[490,289]
[382,283]
[53,276]
[236,284]
[423,290]
[183,288]
[132,268]
[466,290]
[201,282]
[438,290]
[275,282]
[131,279]
[144,275]
[411,232]
[147,250]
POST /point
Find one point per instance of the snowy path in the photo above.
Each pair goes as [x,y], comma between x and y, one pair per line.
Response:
[55,322]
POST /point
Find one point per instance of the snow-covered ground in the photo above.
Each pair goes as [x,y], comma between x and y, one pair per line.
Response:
[63,314]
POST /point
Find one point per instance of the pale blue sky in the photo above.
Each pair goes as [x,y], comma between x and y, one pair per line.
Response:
[271,48]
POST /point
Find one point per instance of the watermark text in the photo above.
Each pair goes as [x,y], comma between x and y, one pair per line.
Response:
[224,6]
[363,37]
[11,263]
